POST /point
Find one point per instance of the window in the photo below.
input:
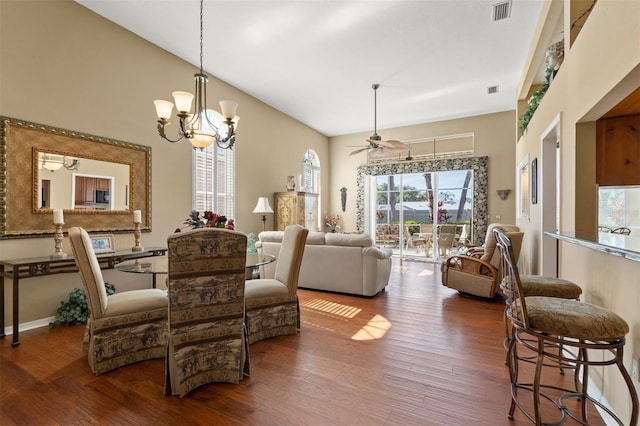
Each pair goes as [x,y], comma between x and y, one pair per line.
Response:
[214,180]
[310,172]
[619,207]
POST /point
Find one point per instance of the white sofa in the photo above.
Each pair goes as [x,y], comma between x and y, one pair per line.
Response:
[344,263]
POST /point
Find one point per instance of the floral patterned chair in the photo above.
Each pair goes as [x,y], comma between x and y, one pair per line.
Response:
[272,307]
[207,334]
[123,328]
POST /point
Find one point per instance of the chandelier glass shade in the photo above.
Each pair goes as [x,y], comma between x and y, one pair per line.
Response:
[53,162]
[204,126]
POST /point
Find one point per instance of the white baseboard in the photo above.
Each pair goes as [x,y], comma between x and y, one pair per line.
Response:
[44,322]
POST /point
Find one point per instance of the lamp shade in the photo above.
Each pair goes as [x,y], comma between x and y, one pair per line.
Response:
[263,206]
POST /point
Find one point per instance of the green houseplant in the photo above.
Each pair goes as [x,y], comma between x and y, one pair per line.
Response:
[75,310]
[534,101]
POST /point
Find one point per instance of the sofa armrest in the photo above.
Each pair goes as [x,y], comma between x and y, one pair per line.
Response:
[377,252]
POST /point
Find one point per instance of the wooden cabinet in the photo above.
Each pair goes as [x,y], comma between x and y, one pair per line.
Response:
[618,151]
[86,189]
[102,184]
[296,208]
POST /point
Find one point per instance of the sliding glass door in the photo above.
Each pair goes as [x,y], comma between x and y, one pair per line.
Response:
[423,214]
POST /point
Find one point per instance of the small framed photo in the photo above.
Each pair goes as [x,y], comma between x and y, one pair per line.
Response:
[102,244]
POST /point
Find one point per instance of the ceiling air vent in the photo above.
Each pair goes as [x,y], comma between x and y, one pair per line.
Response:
[492,89]
[501,10]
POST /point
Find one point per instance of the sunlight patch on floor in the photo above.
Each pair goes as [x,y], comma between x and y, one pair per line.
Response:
[333,308]
[375,329]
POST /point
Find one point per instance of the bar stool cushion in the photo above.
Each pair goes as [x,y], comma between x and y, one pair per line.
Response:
[538,285]
[570,318]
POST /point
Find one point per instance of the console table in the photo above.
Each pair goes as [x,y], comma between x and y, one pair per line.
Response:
[41,266]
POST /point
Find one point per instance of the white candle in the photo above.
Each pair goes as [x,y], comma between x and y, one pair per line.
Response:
[137,216]
[58,216]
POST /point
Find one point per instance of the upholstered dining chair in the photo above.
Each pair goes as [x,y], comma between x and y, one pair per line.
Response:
[123,328]
[272,307]
[590,335]
[478,273]
[207,334]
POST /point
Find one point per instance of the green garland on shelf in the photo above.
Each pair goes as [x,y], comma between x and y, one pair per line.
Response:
[534,101]
[76,311]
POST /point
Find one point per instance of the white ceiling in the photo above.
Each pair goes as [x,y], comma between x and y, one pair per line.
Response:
[316,60]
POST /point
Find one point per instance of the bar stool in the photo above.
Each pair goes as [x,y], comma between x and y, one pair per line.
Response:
[541,322]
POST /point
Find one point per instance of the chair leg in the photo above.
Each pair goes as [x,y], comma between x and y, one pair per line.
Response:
[632,389]
[512,362]
[536,383]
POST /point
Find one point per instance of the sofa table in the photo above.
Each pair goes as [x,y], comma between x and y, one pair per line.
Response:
[41,266]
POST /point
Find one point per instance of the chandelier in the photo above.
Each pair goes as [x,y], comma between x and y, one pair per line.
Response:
[204,126]
[53,162]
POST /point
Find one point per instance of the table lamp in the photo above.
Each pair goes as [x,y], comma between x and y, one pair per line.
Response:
[263,208]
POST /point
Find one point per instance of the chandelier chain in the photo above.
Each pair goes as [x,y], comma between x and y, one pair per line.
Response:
[201,27]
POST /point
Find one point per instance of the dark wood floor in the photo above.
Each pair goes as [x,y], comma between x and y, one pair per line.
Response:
[417,354]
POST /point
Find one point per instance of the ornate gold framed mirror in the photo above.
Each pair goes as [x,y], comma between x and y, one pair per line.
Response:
[97,181]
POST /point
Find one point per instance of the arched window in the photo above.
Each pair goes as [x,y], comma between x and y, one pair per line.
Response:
[310,172]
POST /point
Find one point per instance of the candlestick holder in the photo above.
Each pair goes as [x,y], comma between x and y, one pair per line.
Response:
[58,237]
[136,235]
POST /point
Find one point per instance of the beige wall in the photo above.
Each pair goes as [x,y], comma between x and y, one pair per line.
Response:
[493,137]
[64,66]
[602,67]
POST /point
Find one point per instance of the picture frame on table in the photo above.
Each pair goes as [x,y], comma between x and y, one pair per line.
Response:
[102,243]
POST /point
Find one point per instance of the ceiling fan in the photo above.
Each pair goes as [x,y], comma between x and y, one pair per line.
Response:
[375,141]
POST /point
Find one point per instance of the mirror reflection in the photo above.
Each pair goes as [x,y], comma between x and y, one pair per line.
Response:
[66,182]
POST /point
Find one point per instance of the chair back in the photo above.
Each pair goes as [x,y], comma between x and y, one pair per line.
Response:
[447,229]
[290,256]
[491,255]
[511,284]
[206,266]
[207,340]
[90,271]
[426,228]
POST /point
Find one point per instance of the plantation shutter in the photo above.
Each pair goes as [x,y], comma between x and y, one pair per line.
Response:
[214,181]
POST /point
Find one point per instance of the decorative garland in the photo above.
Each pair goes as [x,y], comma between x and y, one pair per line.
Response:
[534,101]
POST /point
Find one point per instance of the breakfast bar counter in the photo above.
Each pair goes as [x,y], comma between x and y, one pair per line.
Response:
[627,246]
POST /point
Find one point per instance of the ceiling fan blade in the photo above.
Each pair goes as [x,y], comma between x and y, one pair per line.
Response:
[384,144]
[397,144]
[358,151]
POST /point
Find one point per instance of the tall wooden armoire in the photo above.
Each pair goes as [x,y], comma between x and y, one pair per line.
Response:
[296,208]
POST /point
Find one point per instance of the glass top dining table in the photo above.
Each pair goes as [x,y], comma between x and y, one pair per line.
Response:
[160,265]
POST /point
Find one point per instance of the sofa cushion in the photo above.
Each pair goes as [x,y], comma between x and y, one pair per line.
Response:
[315,239]
[351,240]
[271,236]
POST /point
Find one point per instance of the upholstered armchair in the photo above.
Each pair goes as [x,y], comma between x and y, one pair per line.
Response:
[272,307]
[207,335]
[123,328]
[479,273]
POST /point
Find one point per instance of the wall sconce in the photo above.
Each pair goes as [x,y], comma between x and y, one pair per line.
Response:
[503,193]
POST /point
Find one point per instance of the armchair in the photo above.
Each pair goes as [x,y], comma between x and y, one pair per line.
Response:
[272,307]
[479,273]
[123,328]
[207,334]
